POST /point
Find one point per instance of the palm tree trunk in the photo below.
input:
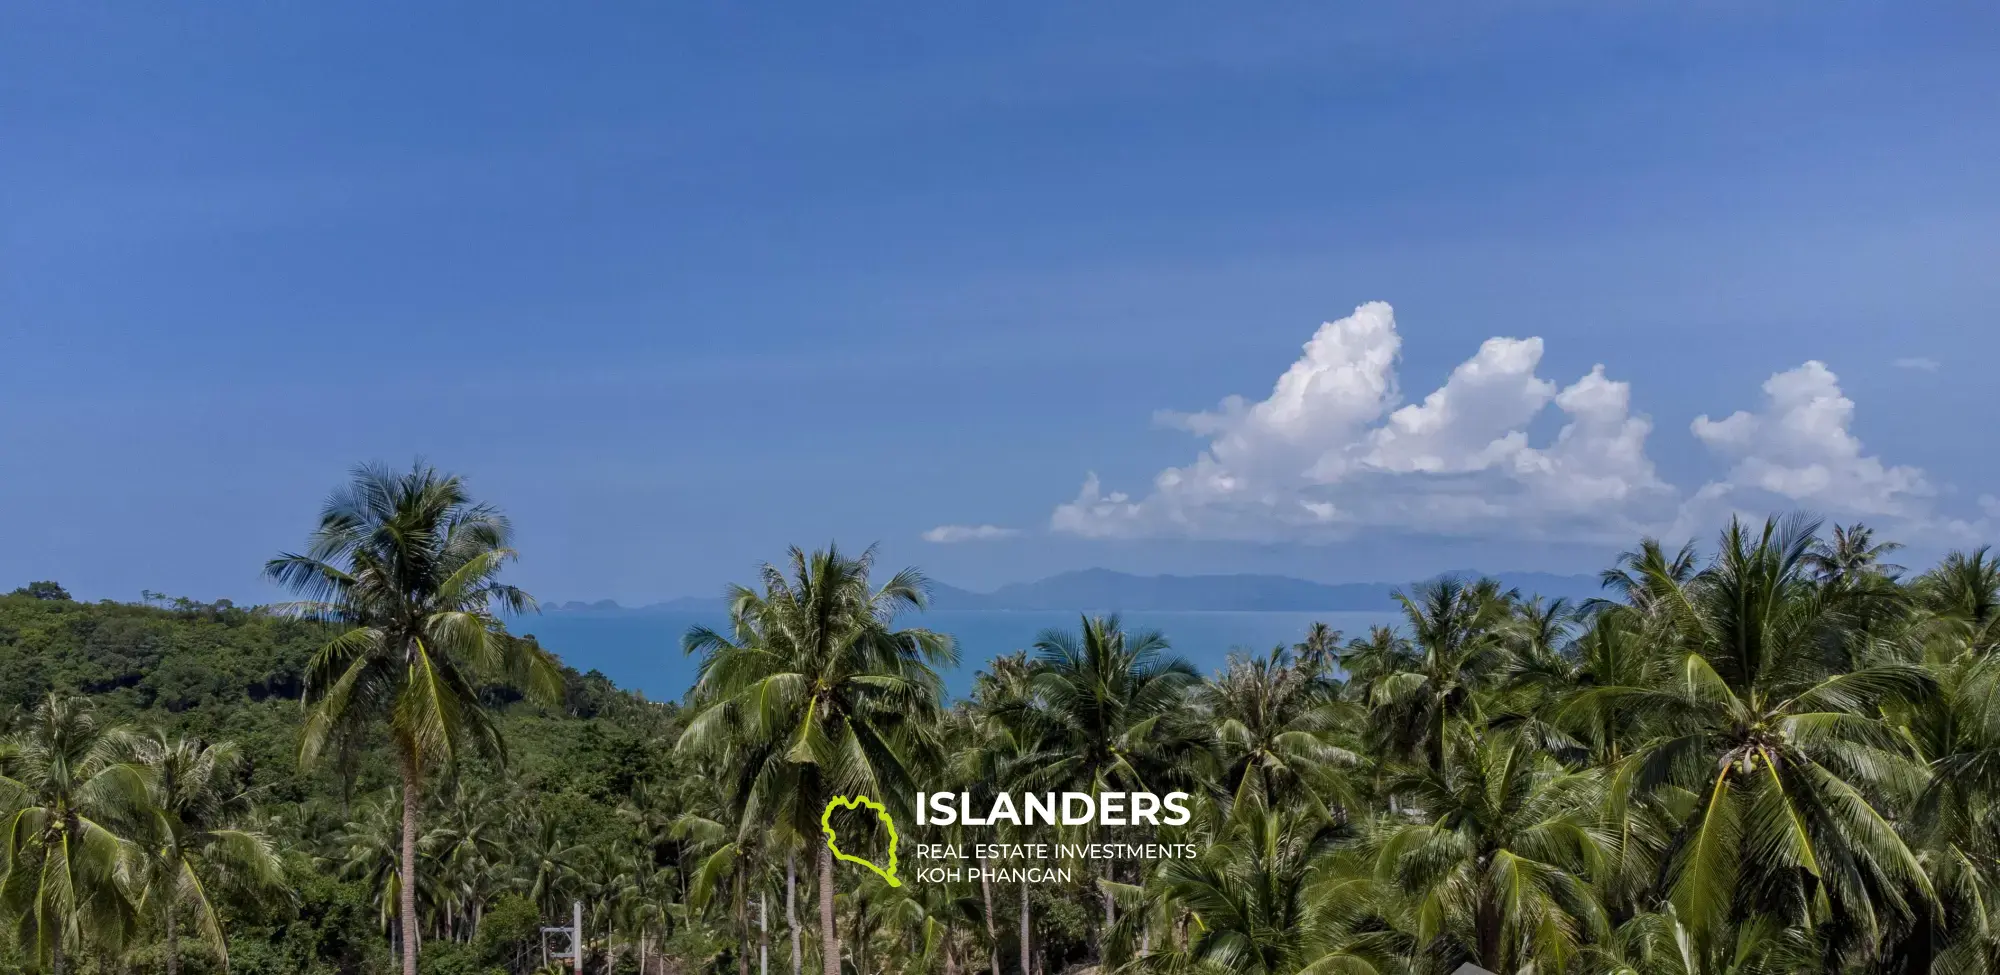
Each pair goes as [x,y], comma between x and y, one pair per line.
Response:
[763,932]
[1110,912]
[1487,918]
[791,906]
[992,924]
[1026,928]
[409,864]
[742,925]
[829,936]
[860,947]
[57,962]
[173,942]
[1436,744]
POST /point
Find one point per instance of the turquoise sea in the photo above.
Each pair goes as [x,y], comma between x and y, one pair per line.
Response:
[642,649]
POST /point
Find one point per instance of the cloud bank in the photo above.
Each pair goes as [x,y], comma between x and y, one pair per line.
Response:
[1333,450]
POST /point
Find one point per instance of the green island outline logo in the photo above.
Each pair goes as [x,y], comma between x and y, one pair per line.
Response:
[881,813]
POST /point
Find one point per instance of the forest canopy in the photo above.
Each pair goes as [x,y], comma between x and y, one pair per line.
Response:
[1775,753]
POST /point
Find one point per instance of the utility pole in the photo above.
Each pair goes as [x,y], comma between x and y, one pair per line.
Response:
[575,932]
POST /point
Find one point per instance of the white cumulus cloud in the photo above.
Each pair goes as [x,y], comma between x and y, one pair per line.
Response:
[1334,449]
[1330,451]
[1797,450]
[946,534]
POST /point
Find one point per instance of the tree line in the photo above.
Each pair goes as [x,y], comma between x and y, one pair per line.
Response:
[1776,754]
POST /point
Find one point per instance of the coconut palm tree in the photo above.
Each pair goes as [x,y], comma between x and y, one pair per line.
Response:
[1257,891]
[368,851]
[1276,729]
[1852,553]
[1010,738]
[1501,863]
[467,844]
[548,860]
[1646,576]
[1369,660]
[407,567]
[818,694]
[197,848]
[77,797]
[1456,631]
[1316,653]
[1659,944]
[1111,697]
[1781,746]
[1962,599]
[1109,694]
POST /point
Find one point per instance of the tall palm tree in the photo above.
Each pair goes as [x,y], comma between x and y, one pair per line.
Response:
[1962,597]
[1109,693]
[197,848]
[1455,630]
[1258,895]
[407,566]
[1954,825]
[1317,651]
[1647,576]
[1371,659]
[548,860]
[1781,746]
[1851,553]
[1502,862]
[819,693]
[467,844]
[1275,727]
[1010,739]
[367,851]
[1111,696]
[77,797]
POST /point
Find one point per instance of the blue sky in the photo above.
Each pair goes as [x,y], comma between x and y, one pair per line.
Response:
[679,286]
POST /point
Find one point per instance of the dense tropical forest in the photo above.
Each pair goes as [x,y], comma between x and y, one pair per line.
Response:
[1777,753]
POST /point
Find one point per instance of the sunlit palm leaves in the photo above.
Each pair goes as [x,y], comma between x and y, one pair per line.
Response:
[1109,695]
[1504,855]
[815,693]
[197,845]
[1780,747]
[1279,731]
[407,567]
[77,797]
[1455,651]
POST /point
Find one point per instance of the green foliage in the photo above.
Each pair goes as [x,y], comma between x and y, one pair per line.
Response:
[46,589]
[324,927]
[1780,759]
[185,670]
[507,932]
[454,958]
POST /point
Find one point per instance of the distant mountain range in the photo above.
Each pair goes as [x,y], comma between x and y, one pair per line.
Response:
[1105,590]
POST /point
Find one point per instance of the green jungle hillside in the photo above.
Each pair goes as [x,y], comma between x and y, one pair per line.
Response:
[1775,753]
